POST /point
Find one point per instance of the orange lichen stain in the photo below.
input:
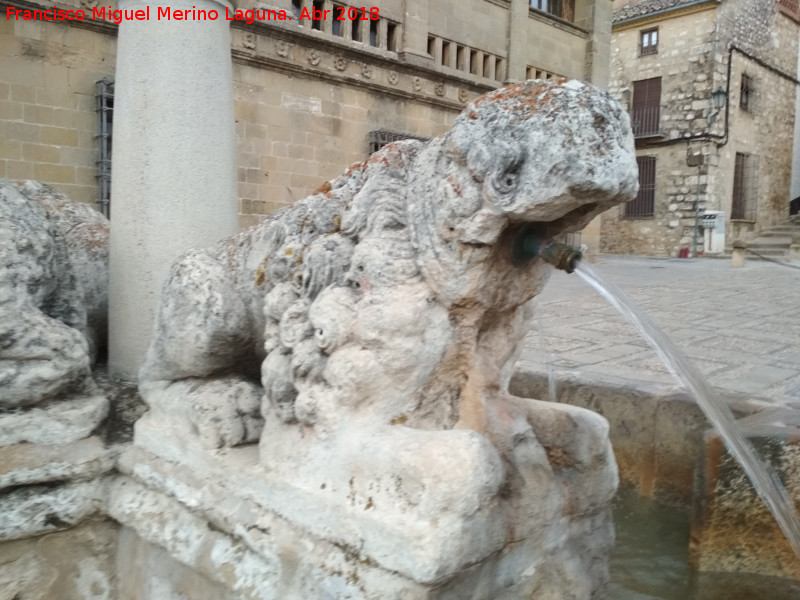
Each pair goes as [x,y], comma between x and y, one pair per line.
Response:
[378,157]
[337,222]
[525,98]
[401,420]
[323,189]
[355,167]
[289,251]
[261,276]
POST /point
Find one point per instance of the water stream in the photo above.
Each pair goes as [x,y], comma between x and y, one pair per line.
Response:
[765,481]
[552,382]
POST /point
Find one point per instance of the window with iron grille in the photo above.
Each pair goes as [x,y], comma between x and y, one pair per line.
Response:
[644,205]
[378,139]
[745,187]
[564,9]
[790,8]
[104,97]
[646,109]
[648,42]
[746,93]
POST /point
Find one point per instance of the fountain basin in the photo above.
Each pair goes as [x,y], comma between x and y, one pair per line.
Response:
[666,453]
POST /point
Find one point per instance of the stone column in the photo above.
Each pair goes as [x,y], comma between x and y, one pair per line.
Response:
[173,180]
[517,41]
[415,33]
[595,15]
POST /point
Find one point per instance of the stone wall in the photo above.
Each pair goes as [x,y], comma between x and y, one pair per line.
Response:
[306,100]
[685,63]
[692,61]
[48,123]
[766,131]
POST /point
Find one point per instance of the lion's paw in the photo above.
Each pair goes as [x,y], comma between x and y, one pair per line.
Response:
[221,412]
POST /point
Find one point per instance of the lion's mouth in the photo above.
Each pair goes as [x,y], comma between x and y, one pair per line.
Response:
[525,236]
[567,222]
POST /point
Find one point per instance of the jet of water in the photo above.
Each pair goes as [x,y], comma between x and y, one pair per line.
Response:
[765,481]
[552,381]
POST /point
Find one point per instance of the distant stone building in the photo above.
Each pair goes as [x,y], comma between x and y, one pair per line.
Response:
[668,58]
[312,95]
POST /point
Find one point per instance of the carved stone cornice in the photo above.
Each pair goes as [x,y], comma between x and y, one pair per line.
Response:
[376,57]
[324,57]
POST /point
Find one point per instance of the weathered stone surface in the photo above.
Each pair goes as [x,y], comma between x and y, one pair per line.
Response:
[77,564]
[53,291]
[54,422]
[654,428]
[146,571]
[32,510]
[732,528]
[384,314]
[26,464]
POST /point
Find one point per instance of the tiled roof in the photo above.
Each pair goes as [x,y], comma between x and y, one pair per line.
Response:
[642,8]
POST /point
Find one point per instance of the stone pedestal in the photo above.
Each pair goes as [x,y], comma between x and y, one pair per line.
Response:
[259,536]
[738,255]
[54,542]
[173,181]
[732,529]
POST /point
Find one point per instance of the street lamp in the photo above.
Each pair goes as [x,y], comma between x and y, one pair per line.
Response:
[718,98]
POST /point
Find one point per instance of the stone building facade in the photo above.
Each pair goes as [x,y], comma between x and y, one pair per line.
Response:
[312,96]
[667,59]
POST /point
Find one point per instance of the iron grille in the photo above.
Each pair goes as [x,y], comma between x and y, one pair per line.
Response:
[745,187]
[379,138]
[643,206]
[105,109]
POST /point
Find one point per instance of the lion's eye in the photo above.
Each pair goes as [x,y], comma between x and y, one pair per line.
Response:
[507,181]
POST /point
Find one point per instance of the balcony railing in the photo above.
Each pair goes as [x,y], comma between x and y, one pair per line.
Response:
[646,121]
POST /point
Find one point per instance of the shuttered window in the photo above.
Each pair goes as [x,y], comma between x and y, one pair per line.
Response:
[791,8]
[643,207]
[646,109]
[648,42]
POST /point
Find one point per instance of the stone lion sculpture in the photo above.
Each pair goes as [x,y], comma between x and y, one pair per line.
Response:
[53,294]
[393,287]
[366,336]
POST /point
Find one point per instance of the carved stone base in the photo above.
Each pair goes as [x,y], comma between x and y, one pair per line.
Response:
[259,536]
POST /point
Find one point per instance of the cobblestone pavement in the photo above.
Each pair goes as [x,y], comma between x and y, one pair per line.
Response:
[741,326]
